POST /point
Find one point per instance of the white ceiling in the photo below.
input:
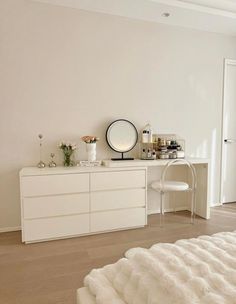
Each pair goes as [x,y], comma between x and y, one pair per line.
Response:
[209,15]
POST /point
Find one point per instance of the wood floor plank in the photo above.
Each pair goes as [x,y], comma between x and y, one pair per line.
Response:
[50,272]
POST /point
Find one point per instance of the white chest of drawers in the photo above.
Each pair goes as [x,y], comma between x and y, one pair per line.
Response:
[66,202]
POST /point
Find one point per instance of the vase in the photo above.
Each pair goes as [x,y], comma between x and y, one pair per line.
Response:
[68,162]
[91,151]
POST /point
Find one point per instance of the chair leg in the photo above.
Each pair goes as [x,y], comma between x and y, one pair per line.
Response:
[161,208]
[193,203]
[174,202]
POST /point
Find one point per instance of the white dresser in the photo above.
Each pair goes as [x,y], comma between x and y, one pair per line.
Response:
[65,202]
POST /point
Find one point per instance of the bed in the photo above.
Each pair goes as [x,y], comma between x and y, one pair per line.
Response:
[199,270]
[84,296]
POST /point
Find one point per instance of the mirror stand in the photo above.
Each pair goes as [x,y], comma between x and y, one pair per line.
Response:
[123,158]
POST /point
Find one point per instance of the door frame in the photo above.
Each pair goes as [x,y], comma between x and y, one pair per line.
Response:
[227,62]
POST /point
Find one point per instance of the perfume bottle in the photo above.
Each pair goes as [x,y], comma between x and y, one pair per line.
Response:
[154,156]
[145,137]
[143,154]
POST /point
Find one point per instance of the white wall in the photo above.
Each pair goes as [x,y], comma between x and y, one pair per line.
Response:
[66,73]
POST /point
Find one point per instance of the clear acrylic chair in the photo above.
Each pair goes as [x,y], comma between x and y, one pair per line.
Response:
[162,186]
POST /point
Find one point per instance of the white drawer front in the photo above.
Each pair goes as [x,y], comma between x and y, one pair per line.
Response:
[55,184]
[46,206]
[109,220]
[118,180]
[117,199]
[40,229]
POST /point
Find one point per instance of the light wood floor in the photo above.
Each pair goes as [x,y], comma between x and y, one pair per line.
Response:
[50,272]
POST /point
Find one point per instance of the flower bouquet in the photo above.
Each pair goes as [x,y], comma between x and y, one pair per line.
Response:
[68,149]
[90,146]
[90,139]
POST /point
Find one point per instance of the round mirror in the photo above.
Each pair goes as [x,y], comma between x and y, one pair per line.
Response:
[121,136]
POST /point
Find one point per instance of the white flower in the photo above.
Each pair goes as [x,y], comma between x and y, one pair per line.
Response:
[67,145]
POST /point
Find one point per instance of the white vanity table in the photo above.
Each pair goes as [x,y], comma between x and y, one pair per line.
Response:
[64,202]
[154,169]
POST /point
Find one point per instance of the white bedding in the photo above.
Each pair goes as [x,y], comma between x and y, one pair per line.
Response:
[200,270]
[85,297]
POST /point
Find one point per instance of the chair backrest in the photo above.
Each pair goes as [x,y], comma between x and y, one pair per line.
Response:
[185,162]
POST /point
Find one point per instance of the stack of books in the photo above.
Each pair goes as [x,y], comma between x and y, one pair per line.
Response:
[87,163]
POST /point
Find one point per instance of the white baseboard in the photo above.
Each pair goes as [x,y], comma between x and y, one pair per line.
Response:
[9,229]
[154,211]
[216,205]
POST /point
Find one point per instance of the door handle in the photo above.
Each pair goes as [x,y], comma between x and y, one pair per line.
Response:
[230,141]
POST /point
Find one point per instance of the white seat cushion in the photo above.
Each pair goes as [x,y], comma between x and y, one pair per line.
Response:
[170,186]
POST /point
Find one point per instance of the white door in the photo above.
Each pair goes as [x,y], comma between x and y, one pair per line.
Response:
[228,172]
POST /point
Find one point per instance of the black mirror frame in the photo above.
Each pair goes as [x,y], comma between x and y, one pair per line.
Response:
[122,153]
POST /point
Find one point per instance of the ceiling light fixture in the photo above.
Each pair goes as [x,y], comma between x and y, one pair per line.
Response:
[166,15]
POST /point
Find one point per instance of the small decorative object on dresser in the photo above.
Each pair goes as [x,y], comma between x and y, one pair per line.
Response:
[87,163]
[41,164]
[90,146]
[68,149]
[52,163]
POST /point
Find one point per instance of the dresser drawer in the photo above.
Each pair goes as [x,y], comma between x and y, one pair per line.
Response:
[54,184]
[46,206]
[118,180]
[118,199]
[42,229]
[118,219]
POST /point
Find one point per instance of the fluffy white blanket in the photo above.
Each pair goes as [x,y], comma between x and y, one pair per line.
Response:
[200,270]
